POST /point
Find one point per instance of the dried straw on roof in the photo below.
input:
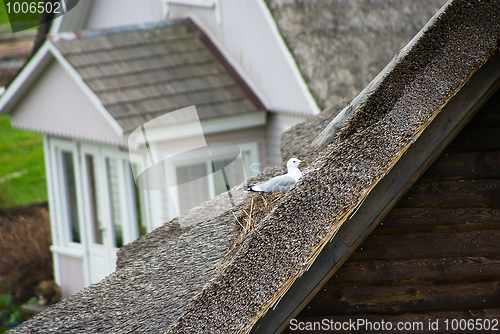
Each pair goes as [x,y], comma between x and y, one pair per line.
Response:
[150,293]
[340,46]
[157,275]
[288,240]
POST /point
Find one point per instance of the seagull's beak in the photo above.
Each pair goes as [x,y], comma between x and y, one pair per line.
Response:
[303,161]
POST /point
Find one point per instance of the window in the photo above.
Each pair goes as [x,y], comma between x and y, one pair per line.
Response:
[115,202]
[200,181]
[193,185]
[137,197]
[69,196]
[96,223]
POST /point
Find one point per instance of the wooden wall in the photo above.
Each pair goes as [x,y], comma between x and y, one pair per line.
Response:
[437,253]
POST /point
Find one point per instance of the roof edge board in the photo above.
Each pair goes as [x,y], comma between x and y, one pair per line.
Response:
[289,57]
[209,126]
[85,88]
[25,78]
[326,136]
[419,156]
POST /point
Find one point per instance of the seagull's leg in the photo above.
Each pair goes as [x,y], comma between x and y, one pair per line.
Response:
[229,193]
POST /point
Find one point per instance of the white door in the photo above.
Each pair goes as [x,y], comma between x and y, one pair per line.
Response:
[114,206]
[97,224]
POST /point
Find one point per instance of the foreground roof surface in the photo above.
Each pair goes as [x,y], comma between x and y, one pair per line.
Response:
[173,283]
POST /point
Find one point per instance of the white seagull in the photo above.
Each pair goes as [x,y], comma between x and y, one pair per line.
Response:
[281,182]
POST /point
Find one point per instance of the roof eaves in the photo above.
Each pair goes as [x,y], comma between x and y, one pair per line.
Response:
[85,88]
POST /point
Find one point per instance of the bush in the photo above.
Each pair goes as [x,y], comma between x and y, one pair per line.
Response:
[25,241]
[10,314]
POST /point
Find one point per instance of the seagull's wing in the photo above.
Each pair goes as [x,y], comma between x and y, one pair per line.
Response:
[281,182]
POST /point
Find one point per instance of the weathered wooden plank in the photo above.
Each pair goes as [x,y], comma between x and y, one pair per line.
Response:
[476,139]
[400,299]
[425,271]
[416,323]
[439,218]
[465,165]
[428,245]
[488,116]
[458,194]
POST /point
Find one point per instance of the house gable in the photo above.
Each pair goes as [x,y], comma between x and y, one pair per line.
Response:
[142,72]
[57,106]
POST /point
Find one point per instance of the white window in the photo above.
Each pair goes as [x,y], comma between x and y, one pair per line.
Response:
[193,181]
[94,199]
[209,4]
[67,193]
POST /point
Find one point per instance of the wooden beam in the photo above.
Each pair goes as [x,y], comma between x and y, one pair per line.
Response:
[447,124]
[428,245]
[440,220]
[439,270]
[455,193]
[405,298]
[465,165]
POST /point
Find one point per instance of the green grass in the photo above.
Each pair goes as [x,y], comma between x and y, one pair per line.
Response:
[22,166]
[4,19]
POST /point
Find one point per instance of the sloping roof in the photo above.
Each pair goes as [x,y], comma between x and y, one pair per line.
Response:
[389,120]
[394,114]
[156,277]
[142,72]
[340,46]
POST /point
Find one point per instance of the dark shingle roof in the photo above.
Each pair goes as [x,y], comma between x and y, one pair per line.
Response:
[140,73]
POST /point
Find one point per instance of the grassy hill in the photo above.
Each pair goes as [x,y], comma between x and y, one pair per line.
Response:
[3,14]
[22,168]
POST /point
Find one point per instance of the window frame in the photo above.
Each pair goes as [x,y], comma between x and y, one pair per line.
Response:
[251,149]
[64,233]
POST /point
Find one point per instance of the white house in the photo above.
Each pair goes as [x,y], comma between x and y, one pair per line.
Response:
[127,65]
[112,68]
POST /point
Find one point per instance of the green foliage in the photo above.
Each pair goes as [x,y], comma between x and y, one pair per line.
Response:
[4,19]
[22,166]
[10,315]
